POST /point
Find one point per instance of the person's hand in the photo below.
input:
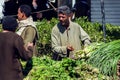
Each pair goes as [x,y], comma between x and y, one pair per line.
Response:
[28,45]
[70,48]
[39,15]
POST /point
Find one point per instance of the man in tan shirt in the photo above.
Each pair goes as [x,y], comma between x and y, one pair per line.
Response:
[67,36]
[26,27]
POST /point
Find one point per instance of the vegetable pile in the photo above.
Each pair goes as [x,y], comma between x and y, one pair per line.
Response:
[106,58]
[96,62]
[47,69]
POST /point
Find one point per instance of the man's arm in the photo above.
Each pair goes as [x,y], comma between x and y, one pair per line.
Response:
[85,37]
[24,53]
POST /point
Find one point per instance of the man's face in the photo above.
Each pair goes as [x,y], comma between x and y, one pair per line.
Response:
[20,15]
[64,19]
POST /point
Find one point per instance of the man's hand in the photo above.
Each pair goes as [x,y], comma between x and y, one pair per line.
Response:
[70,48]
[29,45]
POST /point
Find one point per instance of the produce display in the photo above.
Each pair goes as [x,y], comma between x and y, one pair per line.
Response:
[106,58]
[45,68]
[99,61]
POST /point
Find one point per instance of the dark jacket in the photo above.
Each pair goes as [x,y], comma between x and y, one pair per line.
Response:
[11,50]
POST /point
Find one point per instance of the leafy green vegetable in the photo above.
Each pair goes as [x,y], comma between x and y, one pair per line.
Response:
[106,58]
[44,68]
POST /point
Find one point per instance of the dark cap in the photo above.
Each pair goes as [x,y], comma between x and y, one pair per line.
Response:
[64,9]
[9,23]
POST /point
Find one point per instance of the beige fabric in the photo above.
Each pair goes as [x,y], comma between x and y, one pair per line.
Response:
[28,31]
[61,37]
[24,23]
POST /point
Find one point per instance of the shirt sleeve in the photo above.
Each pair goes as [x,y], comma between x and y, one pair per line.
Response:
[23,54]
[84,37]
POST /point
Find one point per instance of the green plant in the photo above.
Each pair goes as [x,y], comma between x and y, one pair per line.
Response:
[44,68]
[106,58]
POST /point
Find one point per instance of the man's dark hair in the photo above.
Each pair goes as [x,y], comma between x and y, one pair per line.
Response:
[9,23]
[64,10]
[26,10]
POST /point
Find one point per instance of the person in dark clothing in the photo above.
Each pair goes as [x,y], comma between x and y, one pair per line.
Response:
[45,7]
[11,50]
[27,2]
[82,8]
[10,8]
